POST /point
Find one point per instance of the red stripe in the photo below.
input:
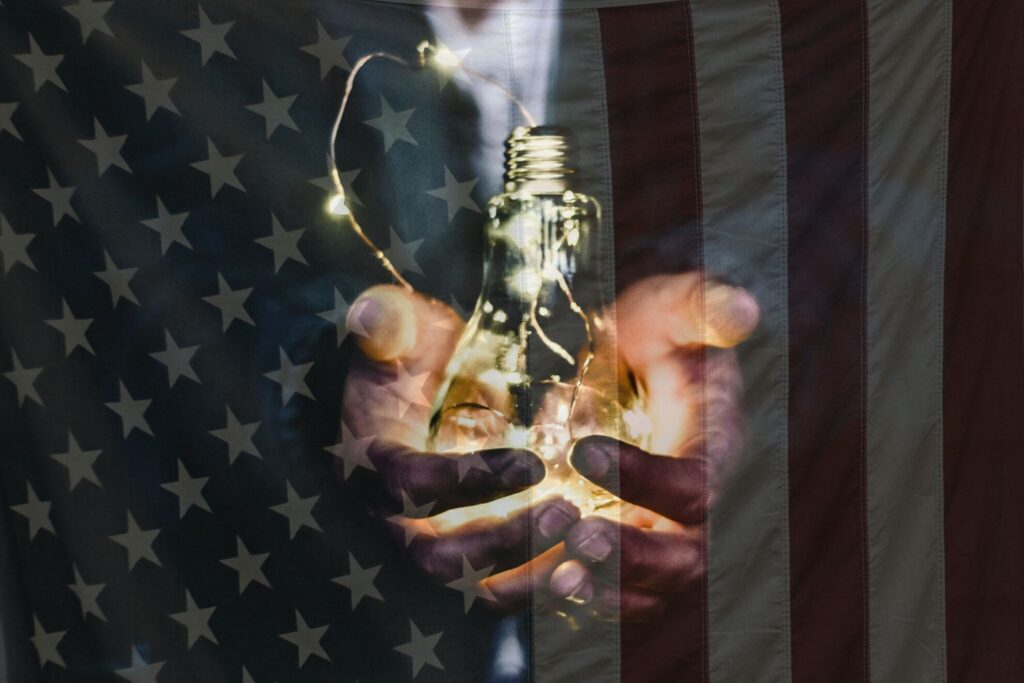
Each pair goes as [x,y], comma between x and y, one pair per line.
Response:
[983,374]
[653,132]
[824,58]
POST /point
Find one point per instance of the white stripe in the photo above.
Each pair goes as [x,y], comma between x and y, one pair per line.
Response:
[741,102]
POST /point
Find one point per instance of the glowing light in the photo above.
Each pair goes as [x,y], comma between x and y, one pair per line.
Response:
[446,58]
[337,206]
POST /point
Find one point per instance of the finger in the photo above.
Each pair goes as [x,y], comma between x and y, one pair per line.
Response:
[658,561]
[501,543]
[442,482]
[392,323]
[675,487]
[516,589]
[574,583]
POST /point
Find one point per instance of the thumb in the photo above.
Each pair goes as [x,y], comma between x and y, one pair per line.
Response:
[391,323]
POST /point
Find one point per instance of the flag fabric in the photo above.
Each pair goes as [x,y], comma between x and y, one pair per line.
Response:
[173,339]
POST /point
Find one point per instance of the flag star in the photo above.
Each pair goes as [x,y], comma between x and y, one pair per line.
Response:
[408,389]
[24,380]
[284,244]
[306,639]
[155,92]
[132,412]
[36,511]
[421,649]
[79,463]
[189,491]
[231,303]
[237,436]
[274,110]
[14,247]
[246,676]
[6,112]
[44,66]
[456,195]
[46,644]
[220,168]
[196,621]
[471,584]
[87,595]
[330,52]
[459,309]
[140,671]
[292,378]
[58,197]
[359,581]
[168,225]
[299,511]
[107,148]
[212,38]
[138,543]
[392,124]
[411,519]
[465,454]
[353,452]
[248,565]
[90,14]
[452,68]
[337,315]
[118,280]
[346,177]
[73,329]
[403,254]
[177,359]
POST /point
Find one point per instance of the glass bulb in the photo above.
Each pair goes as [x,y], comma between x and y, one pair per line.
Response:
[536,365]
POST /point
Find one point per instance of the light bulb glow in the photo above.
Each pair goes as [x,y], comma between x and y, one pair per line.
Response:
[337,206]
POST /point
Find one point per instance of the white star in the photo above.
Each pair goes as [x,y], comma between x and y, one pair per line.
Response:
[73,329]
[299,511]
[14,247]
[107,148]
[292,378]
[408,389]
[24,380]
[471,584]
[6,123]
[220,168]
[58,197]
[231,303]
[90,15]
[189,491]
[138,543]
[465,454]
[46,644]
[36,511]
[118,280]
[328,51]
[337,315]
[392,124]
[196,621]
[284,243]
[411,519]
[359,581]
[237,436]
[421,649]
[352,451]
[248,565]
[132,412]
[155,92]
[178,360]
[274,110]
[403,254]
[452,66]
[306,639]
[169,226]
[212,38]
[44,66]
[456,195]
[80,464]
[88,595]
[139,671]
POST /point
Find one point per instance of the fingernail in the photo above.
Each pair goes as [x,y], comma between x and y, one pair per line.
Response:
[594,460]
[385,323]
[570,583]
[520,471]
[596,547]
[732,314]
[556,519]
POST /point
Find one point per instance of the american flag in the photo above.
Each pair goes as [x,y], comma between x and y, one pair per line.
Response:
[173,299]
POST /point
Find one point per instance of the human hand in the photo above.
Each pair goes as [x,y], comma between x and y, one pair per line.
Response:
[676,333]
[406,341]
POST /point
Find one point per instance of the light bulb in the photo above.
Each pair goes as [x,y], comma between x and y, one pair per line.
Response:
[536,367]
